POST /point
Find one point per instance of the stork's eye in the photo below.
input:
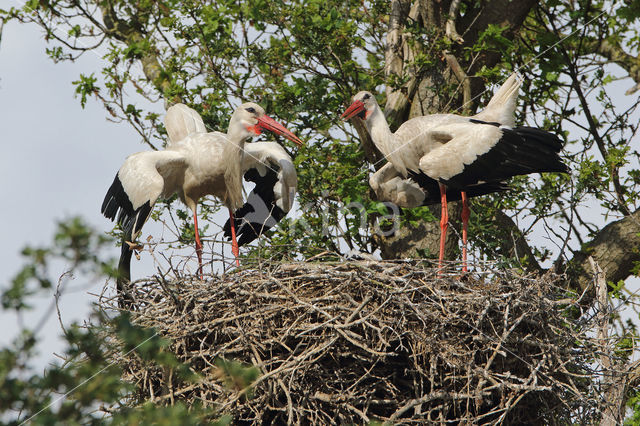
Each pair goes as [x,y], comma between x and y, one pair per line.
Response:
[251,110]
[365,97]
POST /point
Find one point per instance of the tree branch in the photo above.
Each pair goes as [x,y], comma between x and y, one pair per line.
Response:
[397,56]
[615,248]
[450,28]
[505,12]
[128,34]
[609,49]
[593,127]
[612,50]
[463,79]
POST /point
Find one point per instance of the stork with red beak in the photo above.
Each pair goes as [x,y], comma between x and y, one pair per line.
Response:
[437,157]
[194,164]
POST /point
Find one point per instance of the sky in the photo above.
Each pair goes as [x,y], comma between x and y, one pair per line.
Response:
[58,162]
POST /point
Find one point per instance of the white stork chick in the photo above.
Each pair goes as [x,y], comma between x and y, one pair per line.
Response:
[457,156]
[193,165]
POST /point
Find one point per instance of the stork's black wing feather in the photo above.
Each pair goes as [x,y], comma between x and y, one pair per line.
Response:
[117,204]
[260,213]
[519,151]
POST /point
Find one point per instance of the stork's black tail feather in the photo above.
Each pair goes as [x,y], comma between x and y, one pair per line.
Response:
[520,151]
[117,206]
[540,149]
[260,213]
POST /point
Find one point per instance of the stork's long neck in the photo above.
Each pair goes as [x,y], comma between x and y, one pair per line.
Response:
[380,131]
[385,141]
[232,154]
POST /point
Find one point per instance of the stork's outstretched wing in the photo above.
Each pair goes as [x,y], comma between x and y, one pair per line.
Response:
[269,166]
[137,186]
[180,121]
[130,199]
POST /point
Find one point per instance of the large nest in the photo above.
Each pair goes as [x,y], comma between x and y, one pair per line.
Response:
[362,341]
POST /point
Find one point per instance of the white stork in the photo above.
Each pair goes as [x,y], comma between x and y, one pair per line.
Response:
[457,156]
[266,164]
[195,164]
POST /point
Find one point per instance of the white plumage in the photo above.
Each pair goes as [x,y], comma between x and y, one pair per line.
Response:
[389,185]
[181,121]
[145,176]
[438,153]
[438,138]
[467,141]
[194,164]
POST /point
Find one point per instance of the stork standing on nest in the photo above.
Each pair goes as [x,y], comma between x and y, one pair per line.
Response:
[194,164]
[437,157]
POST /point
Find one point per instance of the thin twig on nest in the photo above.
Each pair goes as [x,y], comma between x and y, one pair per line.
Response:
[356,341]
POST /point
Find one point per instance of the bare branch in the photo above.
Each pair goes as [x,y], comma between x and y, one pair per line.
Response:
[611,49]
[450,28]
[463,79]
[124,32]
[2,21]
[614,248]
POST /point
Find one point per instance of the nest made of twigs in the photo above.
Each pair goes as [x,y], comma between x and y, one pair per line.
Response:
[361,341]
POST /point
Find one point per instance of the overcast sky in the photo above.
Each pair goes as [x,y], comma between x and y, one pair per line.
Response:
[58,160]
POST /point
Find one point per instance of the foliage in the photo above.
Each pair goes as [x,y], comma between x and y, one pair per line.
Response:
[634,404]
[86,387]
[212,55]
[75,243]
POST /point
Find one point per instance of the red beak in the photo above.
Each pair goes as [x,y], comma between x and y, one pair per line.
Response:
[267,123]
[356,108]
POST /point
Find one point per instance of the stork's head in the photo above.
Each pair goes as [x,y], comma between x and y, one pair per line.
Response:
[254,121]
[363,104]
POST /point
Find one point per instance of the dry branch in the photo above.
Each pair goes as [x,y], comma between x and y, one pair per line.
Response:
[358,341]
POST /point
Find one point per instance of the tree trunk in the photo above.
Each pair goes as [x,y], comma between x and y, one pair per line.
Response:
[426,91]
[616,249]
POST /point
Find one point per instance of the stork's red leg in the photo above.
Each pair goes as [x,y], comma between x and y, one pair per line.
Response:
[198,243]
[444,223]
[234,243]
[465,221]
